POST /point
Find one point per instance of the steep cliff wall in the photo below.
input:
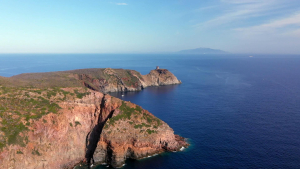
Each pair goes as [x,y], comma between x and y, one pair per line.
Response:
[132,132]
[37,136]
[80,125]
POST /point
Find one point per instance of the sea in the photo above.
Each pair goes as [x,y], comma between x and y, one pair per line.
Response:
[236,111]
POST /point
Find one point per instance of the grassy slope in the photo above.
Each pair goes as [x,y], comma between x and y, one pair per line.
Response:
[68,78]
[20,106]
[44,80]
[4,81]
[135,117]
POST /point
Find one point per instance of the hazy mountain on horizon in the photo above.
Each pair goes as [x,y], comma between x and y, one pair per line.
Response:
[202,51]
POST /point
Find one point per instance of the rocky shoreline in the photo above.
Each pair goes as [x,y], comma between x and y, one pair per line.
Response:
[134,82]
[103,80]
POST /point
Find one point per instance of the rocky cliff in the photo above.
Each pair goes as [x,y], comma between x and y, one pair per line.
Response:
[93,125]
[103,80]
[58,127]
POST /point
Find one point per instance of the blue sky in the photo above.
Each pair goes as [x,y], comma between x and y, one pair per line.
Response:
[149,26]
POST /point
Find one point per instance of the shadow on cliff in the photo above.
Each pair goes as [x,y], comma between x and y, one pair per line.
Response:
[93,137]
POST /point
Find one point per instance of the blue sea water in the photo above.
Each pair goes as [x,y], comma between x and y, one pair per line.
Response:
[236,111]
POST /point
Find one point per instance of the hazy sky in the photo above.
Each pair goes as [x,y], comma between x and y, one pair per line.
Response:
[143,26]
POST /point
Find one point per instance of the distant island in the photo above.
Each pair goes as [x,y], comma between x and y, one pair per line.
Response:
[202,51]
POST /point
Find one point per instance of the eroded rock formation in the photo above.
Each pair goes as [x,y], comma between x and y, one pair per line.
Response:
[99,126]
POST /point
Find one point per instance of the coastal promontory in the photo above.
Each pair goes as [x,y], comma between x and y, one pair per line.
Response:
[60,119]
[103,80]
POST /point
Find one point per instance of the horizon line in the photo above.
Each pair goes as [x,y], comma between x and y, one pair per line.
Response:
[156,53]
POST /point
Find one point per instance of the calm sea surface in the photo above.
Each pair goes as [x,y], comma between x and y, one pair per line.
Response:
[236,111]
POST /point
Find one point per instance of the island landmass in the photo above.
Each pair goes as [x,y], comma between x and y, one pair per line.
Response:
[202,51]
[60,119]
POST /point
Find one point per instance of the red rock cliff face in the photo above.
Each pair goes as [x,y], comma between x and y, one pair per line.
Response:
[97,126]
[56,140]
[132,132]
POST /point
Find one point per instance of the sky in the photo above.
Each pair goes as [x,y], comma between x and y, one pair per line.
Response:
[149,26]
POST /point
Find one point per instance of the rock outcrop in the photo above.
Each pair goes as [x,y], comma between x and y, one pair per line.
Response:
[160,77]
